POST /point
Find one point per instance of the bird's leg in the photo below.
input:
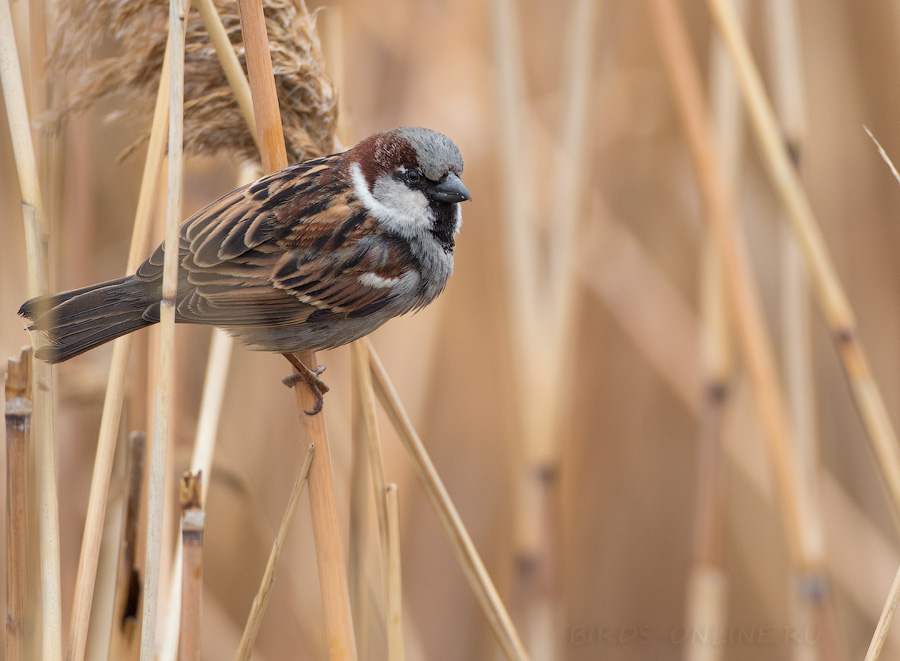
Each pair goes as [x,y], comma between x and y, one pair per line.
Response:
[311,378]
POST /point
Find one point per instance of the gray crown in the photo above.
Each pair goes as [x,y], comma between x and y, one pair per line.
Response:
[435,152]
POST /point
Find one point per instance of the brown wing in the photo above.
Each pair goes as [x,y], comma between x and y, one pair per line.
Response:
[277,251]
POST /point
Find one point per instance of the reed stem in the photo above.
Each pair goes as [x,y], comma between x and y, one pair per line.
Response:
[115,389]
[829,292]
[326,531]
[744,296]
[18,435]
[439,498]
[884,622]
[366,454]
[166,369]
[261,600]
[394,576]
[43,422]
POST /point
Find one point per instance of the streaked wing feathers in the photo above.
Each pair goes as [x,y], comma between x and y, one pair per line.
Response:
[282,249]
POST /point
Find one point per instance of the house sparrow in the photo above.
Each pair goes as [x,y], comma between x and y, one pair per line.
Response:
[311,257]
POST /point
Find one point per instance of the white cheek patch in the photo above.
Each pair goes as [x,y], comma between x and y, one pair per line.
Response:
[399,208]
[377,282]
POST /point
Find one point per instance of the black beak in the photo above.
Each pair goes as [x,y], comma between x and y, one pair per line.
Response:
[450,189]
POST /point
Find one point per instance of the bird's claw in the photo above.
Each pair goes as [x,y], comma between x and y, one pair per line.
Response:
[311,378]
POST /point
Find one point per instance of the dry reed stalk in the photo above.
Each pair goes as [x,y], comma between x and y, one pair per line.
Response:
[261,600]
[123,636]
[522,264]
[214,382]
[744,297]
[360,528]
[813,603]
[192,526]
[166,374]
[828,289]
[326,531]
[440,501]
[708,589]
[884,622]
[543,424]
[115,390]
[18,433]
[533,284]
[368,426]
[884,155]
[368,465]
[394,576]
[33,216]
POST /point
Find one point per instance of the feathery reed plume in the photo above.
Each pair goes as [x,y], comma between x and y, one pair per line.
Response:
[213,121]
[18,430]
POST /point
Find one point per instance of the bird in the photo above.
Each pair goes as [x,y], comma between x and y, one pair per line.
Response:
[307,258]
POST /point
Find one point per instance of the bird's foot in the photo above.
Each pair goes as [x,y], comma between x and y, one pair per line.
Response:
[311,378]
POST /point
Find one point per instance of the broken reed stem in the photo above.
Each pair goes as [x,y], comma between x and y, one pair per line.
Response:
[884,622]
[115,389]
[166,374]
[744,296]
[123,636]
[192,525]
[34,219]
[440,501]
[18,435]
[394,577]
[261,600]
[829,292]
[326,531]
[217,366]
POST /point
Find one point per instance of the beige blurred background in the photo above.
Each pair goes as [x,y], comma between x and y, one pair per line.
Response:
[610,576]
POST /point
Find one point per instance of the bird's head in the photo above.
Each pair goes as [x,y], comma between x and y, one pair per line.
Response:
[409,178]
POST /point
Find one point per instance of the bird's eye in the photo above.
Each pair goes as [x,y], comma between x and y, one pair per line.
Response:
[413,176]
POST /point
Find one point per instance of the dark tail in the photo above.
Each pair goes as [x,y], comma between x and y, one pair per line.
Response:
[79,320]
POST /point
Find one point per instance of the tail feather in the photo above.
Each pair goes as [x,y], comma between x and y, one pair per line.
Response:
[79,320]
